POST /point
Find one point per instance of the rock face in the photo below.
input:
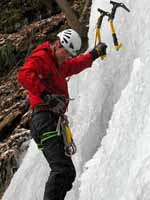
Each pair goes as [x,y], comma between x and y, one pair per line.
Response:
[15,47]
[14,126]
[16,13]
[11,151]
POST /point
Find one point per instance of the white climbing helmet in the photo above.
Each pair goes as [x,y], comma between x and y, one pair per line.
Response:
[70,40]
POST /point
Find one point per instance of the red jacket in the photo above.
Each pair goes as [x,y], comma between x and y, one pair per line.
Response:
[40,73]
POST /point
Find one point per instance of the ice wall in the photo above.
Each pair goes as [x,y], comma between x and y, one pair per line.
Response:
[120,168]
[95,90]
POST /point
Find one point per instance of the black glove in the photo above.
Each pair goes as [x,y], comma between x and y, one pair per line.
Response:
[99,50]
[57,103]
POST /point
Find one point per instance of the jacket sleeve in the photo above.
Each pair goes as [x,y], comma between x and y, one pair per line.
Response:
[76,65]
[29,75]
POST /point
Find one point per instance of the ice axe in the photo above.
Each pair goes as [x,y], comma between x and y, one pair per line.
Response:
[111,17]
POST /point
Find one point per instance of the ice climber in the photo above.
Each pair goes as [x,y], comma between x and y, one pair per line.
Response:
[44,75]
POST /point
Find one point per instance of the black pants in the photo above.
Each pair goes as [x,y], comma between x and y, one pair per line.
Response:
[62,172]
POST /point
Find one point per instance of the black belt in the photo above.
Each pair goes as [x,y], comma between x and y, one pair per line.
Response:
[40,108]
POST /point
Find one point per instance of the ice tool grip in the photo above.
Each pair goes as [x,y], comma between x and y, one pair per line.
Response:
[98,36]
[102,57]
[114,36]
[98,28]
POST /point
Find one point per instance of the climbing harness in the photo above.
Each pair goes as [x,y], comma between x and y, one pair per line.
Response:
[111,16]
[64,130]
[45,137]
[61,129]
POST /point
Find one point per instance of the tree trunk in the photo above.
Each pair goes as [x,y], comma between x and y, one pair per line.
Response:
[74,22]
[71,17]
[87,5]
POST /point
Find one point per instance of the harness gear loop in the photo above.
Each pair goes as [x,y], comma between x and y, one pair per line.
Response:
[64,130]
[114,36]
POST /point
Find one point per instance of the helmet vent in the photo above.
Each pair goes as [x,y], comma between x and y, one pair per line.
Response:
[65,40]
[71,46]
[67,36]
[66,33]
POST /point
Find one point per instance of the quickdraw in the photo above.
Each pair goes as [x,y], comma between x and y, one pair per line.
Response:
[64,130]
[111,16]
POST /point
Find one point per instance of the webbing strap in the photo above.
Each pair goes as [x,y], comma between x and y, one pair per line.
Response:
[46,136]
[41,105]
[49,133]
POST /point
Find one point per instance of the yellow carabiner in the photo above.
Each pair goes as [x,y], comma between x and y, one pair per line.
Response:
[68,134]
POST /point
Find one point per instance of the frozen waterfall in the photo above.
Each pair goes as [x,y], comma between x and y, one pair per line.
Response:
[109,118]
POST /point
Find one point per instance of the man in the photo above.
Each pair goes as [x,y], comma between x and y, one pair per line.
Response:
[44,76]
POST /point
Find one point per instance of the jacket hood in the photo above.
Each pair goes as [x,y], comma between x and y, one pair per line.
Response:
[43,51]
[44,46]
